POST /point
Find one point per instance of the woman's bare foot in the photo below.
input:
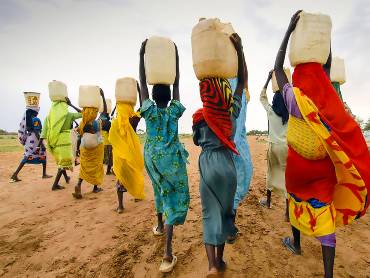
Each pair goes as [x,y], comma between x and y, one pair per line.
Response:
[212,273]
[46,176]
[57,187]
[120,210]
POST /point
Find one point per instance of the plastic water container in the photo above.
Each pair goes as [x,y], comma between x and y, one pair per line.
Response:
[310,41]
[214,55]
[89,96]
[109,105]
[338,71]
[57,91]
[126,90]
[32,99]
[160,61]
[275,86]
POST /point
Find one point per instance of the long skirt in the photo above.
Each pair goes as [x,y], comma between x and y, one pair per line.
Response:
[217,189]
[91,169]
[276,159]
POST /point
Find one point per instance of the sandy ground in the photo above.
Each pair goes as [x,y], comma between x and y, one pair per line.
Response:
[49,234]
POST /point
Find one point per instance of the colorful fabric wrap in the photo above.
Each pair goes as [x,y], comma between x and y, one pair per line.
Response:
[128,161]
[348,177]
[217,98]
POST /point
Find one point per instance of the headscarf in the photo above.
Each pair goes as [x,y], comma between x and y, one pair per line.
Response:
[89,114]
[217,98]
[278,105]
[311,79]
[26,124]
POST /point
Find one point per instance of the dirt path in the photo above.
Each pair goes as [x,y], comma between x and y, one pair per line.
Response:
[49,234]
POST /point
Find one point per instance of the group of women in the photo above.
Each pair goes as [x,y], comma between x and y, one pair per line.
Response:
[317,156]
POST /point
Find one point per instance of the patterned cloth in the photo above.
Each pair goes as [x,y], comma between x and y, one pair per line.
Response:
[165,160]
[243,161]
[29,137]
[128,161]
[338,180]
[217,99]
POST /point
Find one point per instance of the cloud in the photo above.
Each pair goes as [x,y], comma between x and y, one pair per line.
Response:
[96,42]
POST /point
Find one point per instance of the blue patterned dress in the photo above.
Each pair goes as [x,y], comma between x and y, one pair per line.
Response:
[165,160]
[243,162]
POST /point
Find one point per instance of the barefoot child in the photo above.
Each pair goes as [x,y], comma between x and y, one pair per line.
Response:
[214,128]
[165,158]
[128,161]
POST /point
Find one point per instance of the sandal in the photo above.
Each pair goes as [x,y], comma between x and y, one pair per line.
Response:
[13,180]
[287,242]
[263,202]
[167,266]
[156,232]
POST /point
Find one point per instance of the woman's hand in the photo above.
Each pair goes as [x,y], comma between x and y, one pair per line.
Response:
[237,42]
[268,78]
[68,101]
[293,21]
[177,79]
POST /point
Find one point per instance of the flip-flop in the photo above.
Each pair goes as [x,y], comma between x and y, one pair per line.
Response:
[47,177]
[167,266]
[263,202]
[77,195]
[13,180]
[156,232]
[289,245]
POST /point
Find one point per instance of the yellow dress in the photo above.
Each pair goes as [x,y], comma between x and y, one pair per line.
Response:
[128,161]
[91,169]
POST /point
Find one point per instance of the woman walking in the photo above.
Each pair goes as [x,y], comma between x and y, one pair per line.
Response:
[57,132]
[213,130]
[277,116]
[327,171]
[128,161]
[91,157]
[165,157]
[29,136]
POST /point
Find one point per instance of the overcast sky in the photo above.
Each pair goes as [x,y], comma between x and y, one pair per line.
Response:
[96,42]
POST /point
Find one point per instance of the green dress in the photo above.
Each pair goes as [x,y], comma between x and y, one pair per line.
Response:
[218,182]
[165,160]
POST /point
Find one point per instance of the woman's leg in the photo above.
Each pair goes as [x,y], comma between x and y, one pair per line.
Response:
[296,238]
[56,185]
[286,210]
[160,227]
[168,246]
[268,198]
[67,179]
[14,177]
[328,255]
[120,200]
[210,250]
[77,194]
[221,265]
[44,175]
